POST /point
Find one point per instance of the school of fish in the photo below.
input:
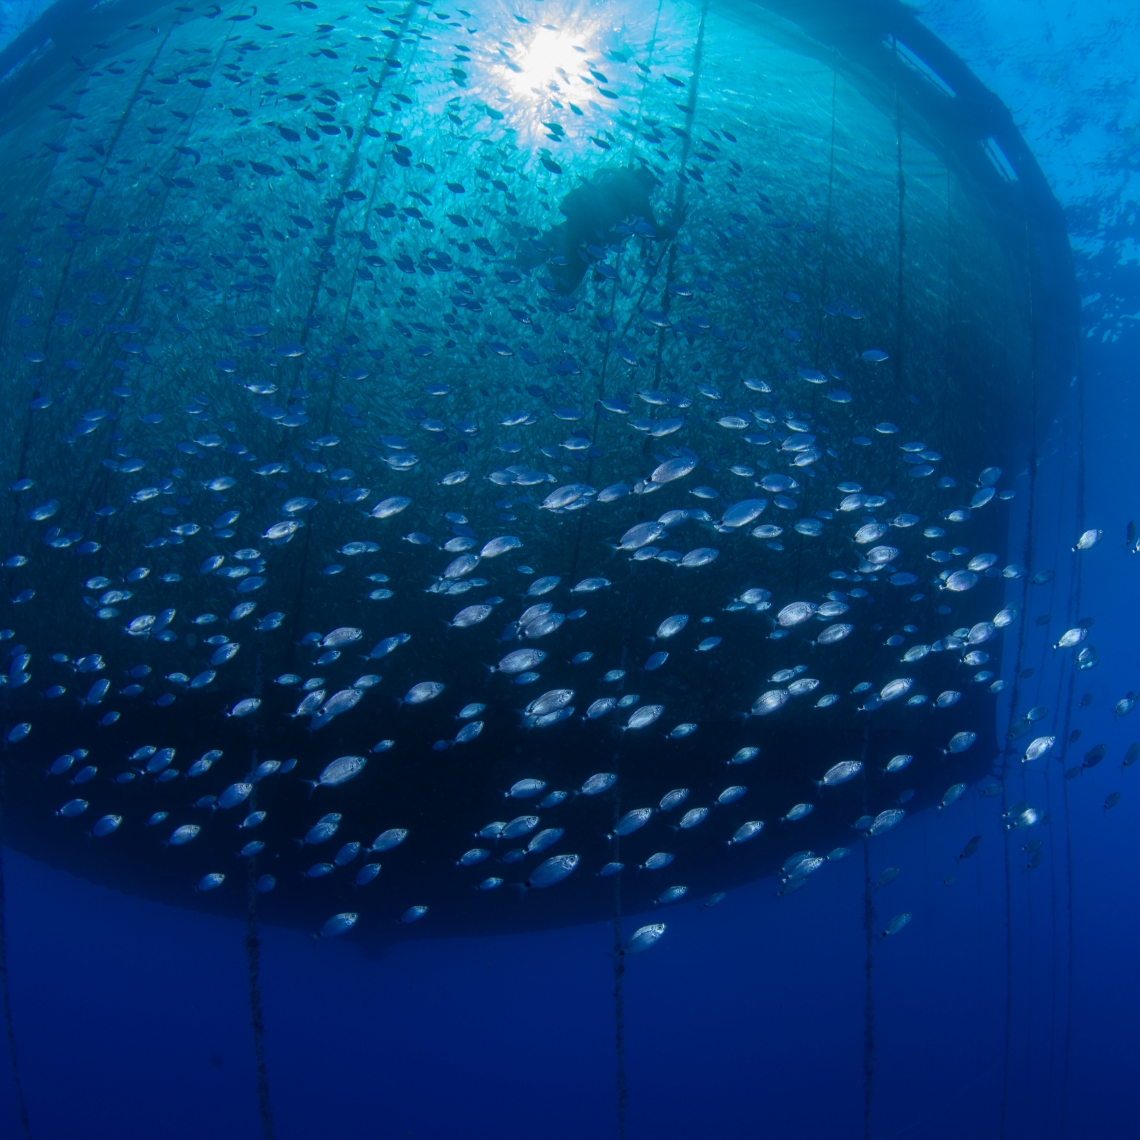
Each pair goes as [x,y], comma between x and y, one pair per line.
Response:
[444,467]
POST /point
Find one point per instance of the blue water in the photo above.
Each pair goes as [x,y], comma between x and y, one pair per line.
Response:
[131,1019]
[752,1012]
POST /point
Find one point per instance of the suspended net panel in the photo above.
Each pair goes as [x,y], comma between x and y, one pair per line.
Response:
[269,276]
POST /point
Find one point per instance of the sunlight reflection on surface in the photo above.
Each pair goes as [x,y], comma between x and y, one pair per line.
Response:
[550,58]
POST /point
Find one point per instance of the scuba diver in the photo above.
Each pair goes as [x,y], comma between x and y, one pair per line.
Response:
[592,210]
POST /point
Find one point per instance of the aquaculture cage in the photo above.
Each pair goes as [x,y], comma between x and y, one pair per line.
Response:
[332,330]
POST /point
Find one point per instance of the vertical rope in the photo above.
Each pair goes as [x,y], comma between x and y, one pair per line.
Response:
[253,953]
[346,178]
[869,991]
[822,296]
[1069,951]
[1008,960]
[101,346]
[1007,751]
[823,276]
[109,149]
[901,178]
[645,81]
[619,990]
[868,959]
[618,955]
[604,372]
[947,366]
[1078,584]
[390,68]
[1059,701]
[594,434]
[682,179]
[5,990]
[675,221]
[256,1013]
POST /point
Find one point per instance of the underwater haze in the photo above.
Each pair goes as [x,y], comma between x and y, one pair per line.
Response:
[564,570]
